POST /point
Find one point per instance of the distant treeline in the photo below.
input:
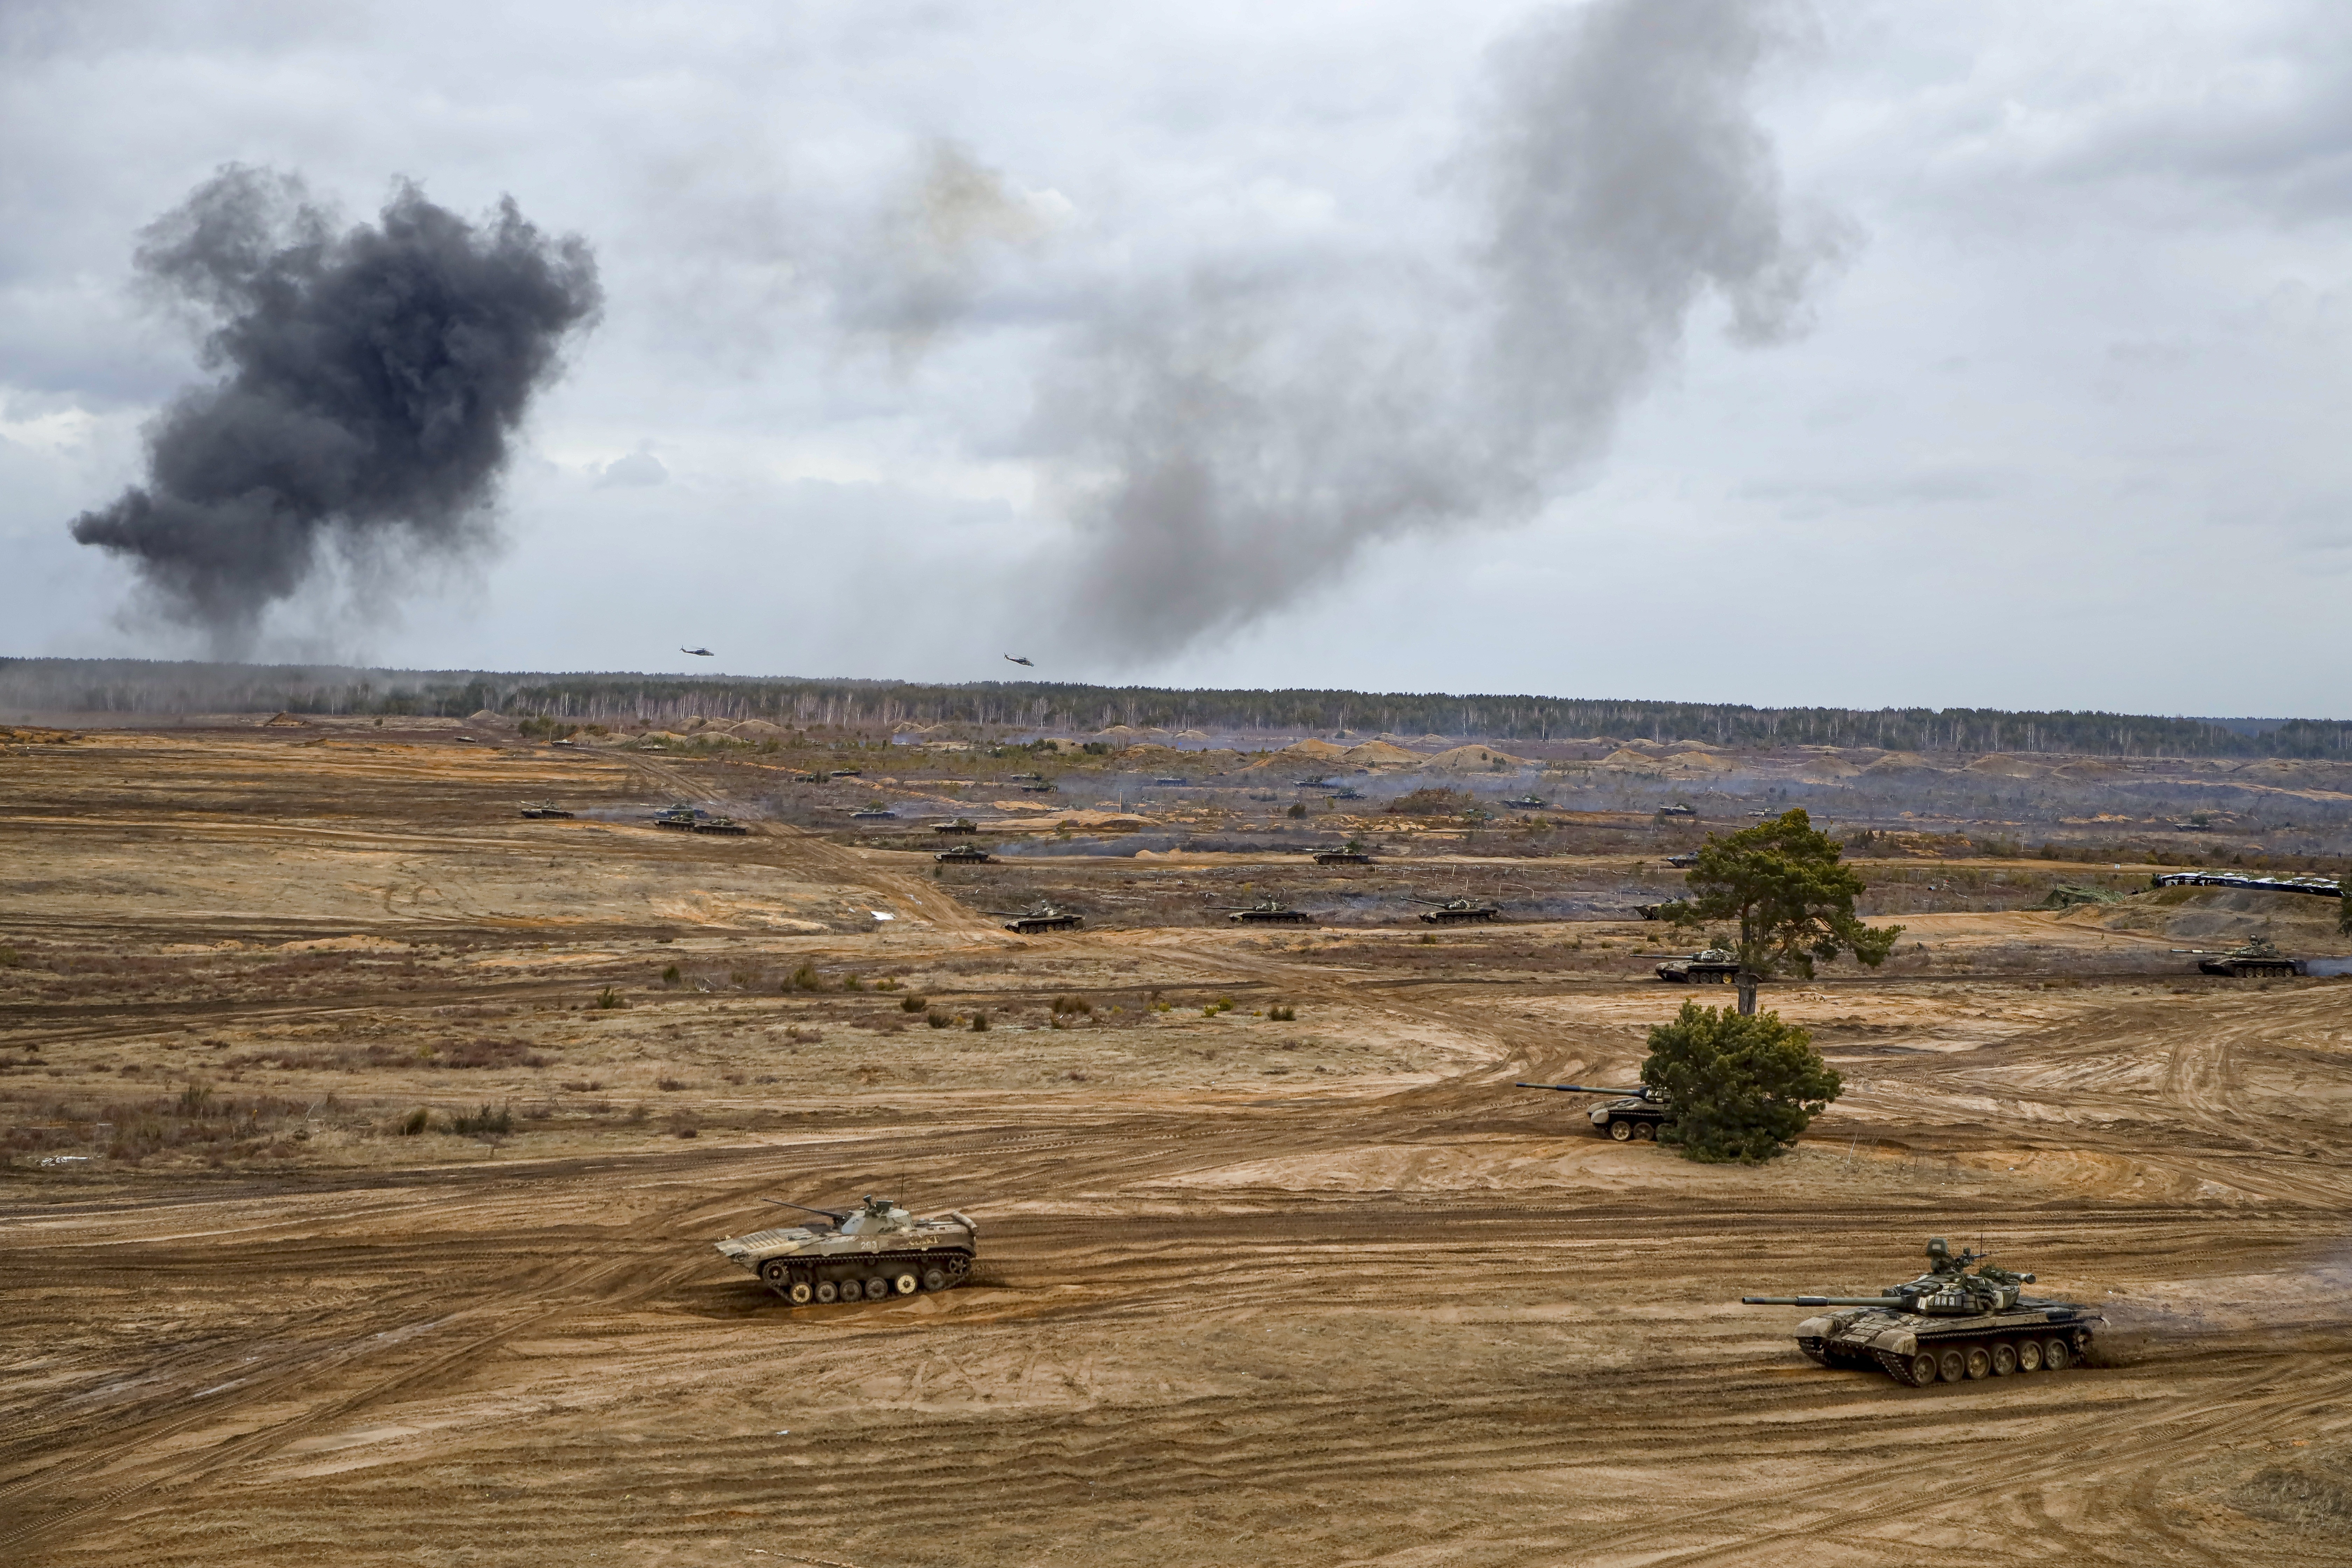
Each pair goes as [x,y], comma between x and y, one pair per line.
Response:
[131,686]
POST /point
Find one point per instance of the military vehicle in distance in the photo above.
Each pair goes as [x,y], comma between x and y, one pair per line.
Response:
[1683,862]
[1677,811]
[873,814]
[1269,913]
[1528,803]
[1348,854]
[539,808]
[727,824]
[874,1250]
[1173,780]
[965,855]
[1639,1114]
[847,773]
[960,824]
[1041,916]
[2260,958]
[1457,911]
[682,817]
[1707,966]
[1344,793]
[1042,786]
[1947,1325]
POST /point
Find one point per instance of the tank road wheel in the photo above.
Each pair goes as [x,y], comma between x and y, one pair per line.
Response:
[799,1292]
[934,1277]
[1952,1366]
[775,1271]
[2004,1358]
[876,1288]
[2055,1355]
[1923,1368]
[2029,1356]
[1645,1131]
[1979,1361]
[826,1292]
[1620,1130]
[905,1283]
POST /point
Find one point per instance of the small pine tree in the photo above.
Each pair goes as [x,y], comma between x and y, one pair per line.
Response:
[1737,1087]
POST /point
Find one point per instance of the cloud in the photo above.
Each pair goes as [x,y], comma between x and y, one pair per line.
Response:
[638,470]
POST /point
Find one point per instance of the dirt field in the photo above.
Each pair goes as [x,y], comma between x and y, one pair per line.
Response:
[1316,1290]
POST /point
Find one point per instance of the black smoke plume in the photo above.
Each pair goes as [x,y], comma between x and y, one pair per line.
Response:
[370,380]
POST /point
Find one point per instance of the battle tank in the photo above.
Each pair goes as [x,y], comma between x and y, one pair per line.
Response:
[1639,1114]
[536,810]
[1457,911]
[682,817]
[2260,957]
[1269,913]
[1707,966]
[720,824]
[874,1250]
[963,855]
[1527,802]
[1947,1325]
[960,824]
[1348,854]
[873,814]
[1041,916]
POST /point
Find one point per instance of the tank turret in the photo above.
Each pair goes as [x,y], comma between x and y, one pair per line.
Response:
[1947,1325]
[1707,966]
[1637,1115]
[874,1250]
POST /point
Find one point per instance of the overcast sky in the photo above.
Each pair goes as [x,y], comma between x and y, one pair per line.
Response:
[1989,354]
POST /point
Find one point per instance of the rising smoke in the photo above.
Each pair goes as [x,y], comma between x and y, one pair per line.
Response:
[372,378]
[1224,446]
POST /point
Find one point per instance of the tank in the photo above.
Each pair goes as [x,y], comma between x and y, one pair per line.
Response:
[1269,913]
[1707,966]
[682,817]
[540,809]
[2258,957]
[1344,793]
[1527,802]
[720,824]
[1043,786]
[1171,780]
[965,855]
[960,824]
[1677,811]
[874,1250]
[1946,1326]
[1347,854]
[1637,1115]
[1683,862]
[1457,911]
[1041,916]
[873,814]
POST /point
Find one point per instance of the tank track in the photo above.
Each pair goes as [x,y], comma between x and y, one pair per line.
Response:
[1898,1367]
[956,1262]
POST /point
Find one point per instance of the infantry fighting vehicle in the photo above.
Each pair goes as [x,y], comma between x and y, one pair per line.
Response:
[1677,811]
[963,855]
[1529,801]
[1944,1326]
[1041,916]
[720,824]
[1043,786]
[682,817]
[539,808]
[1639,1114]
[1269,913]
[874,1250]
[2260,957]
[1348,854]
[1707,966]
[873,814]
[960,824]
[1457,911]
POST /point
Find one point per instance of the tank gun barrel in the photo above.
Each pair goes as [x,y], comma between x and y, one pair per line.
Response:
[1641,1090]
[836,1215]
[1895,1302]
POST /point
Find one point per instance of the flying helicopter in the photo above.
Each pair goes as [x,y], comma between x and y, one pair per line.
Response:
[699,652]
[1020,661]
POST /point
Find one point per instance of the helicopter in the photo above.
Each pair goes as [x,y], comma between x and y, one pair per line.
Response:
[1020,661]
[699,652]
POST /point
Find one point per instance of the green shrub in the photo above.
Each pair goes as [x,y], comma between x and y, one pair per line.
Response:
[416,1121]
[980,1022]
[1073,1004]
[608,998]
[852,982]
[937,1020]
[670,975]
[1735,1087]
[1283,1014]
[805,978]
[11,959]
[484,1120]
[912,1004]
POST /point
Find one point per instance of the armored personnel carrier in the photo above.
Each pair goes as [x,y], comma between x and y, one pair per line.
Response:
[1639,1114]
[1457,911]
[1269,913]
[874,1250]
[682,817]
[965,855]
[1707,966]
[1944,1326]
[960,824]
[1347,855]
[1041,916]
[720,824]
[2259,958]
[539,808]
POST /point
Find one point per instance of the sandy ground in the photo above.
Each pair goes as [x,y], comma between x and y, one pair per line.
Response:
[1326,1289]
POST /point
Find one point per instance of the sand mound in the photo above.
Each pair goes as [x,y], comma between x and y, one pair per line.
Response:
[1320,751]
[1901,762]
[2221,917]
[1629,759]
[288,721]
[1472,759]
[1827,769]
[758,730]
[2000,764]
[1379,754]
[478,716]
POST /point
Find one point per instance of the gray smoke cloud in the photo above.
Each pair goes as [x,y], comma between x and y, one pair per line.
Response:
[372,378]
[920,270]
[1224,446]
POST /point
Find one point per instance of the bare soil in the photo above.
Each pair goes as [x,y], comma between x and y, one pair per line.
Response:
[1321,1289]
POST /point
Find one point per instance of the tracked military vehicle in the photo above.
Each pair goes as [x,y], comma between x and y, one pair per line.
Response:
[1347,855]
[1527,802]
[868,1252]
[1638,1115]
[1457,911]
[2259,958]
[1677,811]
[538,809]
[682,817]
[1683,862]
[726,825]
[1041,916]
[873,814]
[965,855]
[1707,966]
[1269,913]
[960,824]
[1946,1326]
